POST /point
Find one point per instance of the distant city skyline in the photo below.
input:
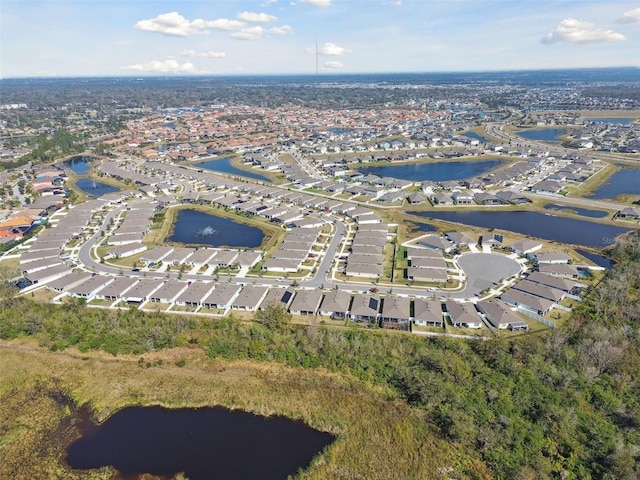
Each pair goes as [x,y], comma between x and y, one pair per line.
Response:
[63,38]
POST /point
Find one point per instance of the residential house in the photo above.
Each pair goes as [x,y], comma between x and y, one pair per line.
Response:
[527,302]
[395,312]
[90,287]
[559,270]
[222,296]
[250,298]
[463,314]
[436,242]
[306,302]
[427,313]
[335,304]
[168,292]
[525,246]
[462,198]
[500,315]
[365,308]
[553,256]
[281,297]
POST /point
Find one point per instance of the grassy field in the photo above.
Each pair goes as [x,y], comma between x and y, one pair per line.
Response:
[378,435]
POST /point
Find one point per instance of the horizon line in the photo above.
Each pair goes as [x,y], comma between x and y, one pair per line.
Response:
[306,74]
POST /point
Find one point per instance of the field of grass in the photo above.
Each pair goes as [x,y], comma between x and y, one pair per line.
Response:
[379,436]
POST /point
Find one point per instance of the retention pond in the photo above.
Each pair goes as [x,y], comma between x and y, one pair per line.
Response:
[201,443]
[198,228]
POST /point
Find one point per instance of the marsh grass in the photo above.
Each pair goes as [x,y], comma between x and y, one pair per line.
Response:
[379,436]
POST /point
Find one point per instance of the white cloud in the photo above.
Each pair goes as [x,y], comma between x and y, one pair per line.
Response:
[174,24]
[632,16]
[171,23]
[193,53]
[571,30]
[256,17]
[226,24]
[166,66]
[333,65]
[266,3]
[283,30]
[317,3]
[249,33]
[333,50]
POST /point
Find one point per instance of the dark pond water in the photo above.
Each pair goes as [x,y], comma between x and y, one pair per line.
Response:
[199,228]
[560,229]
[203,443]
[436,171]
[580,211]
[93,188]
[223,165]
[421,227]
[624,181]
[339,131]
[599,260]
[79,165]
[476,136]
[544,135]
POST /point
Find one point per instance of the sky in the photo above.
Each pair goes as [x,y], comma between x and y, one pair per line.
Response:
[68,38]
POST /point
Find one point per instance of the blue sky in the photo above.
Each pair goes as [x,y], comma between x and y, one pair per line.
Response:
[234,37]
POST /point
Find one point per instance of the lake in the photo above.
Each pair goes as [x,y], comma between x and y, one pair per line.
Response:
[585,212]
[198,228]
[78,165]
[551,135]
[476,136]
[202,443]
[599,260]
[436,171]
[559,229]
[340,131]
[421,227]
[94,188]
[224,165]
[624,181]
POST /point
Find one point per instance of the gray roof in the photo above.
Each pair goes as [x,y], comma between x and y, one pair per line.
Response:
[427,274]
[517,297]
[539,290]
[250,297]
[169,290]
[335,301]
[222,294]
[414,252]
[555,282]
[91,285]
[498,313]
[395,307]
[141,290]
[462,312]
[306,301]
[118,286]
[194,293]
[365,305]
[280,296]
[69,280]
[425,310]
[364,269]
